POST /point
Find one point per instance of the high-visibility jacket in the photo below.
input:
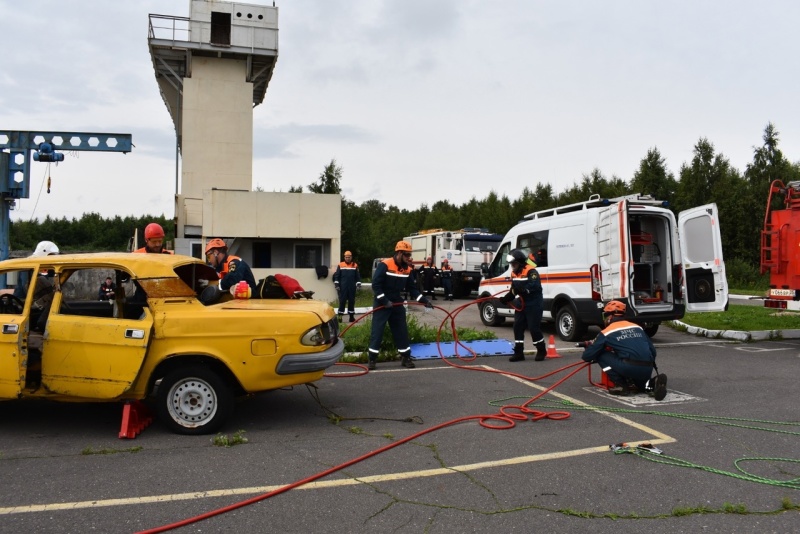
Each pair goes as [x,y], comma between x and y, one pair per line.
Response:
[528,286]
[391,281]
[346,277]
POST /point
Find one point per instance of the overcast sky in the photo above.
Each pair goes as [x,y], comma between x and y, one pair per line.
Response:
[417,100]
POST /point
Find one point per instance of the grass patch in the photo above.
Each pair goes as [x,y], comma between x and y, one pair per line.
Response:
[745,318]
[222,440]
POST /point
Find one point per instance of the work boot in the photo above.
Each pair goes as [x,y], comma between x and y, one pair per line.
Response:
[518,354]
[405,361]
[371,365]
[660,389]
[352,318]
[621,391]
[541,351]
[340,317]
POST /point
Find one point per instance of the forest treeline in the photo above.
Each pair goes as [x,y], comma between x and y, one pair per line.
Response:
[370,229]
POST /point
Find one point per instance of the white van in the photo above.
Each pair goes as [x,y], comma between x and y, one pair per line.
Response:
[628,248]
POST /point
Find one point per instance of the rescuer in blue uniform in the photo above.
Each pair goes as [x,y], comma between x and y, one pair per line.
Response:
[393,277]
[527,300]
[446,274]
[230,269]
[427,275]
[346,279]
[626,354]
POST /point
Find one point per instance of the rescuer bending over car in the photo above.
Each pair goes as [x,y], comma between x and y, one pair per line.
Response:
[626,354]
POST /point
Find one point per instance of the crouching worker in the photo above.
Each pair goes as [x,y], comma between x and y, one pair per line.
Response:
[392,278]
[626,354]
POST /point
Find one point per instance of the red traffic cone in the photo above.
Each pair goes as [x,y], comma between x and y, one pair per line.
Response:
[551,348]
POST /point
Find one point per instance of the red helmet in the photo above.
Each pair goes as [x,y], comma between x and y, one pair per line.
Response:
[614,307]
[216,243]
[153,231]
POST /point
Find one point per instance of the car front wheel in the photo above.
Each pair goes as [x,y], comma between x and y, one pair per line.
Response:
[489,315]
[568,326]
[194,400]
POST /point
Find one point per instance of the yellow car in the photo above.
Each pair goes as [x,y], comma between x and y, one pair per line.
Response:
[153,337]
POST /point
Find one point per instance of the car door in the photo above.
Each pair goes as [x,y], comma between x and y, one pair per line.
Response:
[704,282]
[93,357]
[613,250]
[13,323]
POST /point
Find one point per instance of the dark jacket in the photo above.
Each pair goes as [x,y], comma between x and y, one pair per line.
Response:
[627,340]
[391,281]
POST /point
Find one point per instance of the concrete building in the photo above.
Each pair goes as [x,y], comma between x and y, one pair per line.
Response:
[213,69]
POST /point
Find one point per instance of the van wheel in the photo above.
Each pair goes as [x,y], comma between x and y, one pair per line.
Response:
[568,326]
[489,315]
[194,400]
[651,328]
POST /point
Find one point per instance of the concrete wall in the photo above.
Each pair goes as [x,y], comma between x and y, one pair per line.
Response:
[217,126]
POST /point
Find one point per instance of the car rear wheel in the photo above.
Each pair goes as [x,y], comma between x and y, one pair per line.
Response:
[194,400]
[489,315]
[651,328]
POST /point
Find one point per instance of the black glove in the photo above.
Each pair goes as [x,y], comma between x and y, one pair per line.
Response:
[428,304]
[508,297]
[387,303]
[583,344]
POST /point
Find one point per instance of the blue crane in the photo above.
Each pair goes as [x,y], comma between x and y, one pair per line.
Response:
[16,148]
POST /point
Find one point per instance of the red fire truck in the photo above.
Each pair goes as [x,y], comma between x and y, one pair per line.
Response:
[780,247]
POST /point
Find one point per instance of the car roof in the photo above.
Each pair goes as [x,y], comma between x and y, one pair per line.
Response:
[139,265]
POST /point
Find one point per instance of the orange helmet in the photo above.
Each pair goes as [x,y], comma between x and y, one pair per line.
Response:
[215,243]
[445,261]
[153,231]
[614,307]
[405,246]
[348,253]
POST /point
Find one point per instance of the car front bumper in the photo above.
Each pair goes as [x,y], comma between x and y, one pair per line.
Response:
[292,364]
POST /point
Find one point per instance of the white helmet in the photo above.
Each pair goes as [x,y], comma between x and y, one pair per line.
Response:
[45,248]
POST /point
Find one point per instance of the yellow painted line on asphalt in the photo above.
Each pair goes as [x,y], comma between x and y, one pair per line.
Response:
[389,477]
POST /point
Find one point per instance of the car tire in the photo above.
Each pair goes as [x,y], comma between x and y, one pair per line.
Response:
[650,329]
[568,326]
[489,315]
[194,400]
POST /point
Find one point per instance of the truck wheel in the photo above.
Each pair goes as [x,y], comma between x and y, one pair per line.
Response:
[650,329]
[568,326]
[194,400]
[489,315]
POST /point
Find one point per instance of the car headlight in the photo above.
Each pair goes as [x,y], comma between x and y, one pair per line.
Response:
[322,334]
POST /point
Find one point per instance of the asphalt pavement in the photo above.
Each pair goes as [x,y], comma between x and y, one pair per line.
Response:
[408,451]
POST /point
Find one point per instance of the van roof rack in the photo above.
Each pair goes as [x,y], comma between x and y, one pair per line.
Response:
[596,202]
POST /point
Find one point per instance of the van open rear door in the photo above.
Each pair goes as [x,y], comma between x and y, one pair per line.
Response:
[613,250]
[704,284]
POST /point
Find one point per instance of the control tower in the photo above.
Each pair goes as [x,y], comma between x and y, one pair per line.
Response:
[212,68]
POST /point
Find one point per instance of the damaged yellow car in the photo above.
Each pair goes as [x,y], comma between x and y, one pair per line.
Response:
[154,338]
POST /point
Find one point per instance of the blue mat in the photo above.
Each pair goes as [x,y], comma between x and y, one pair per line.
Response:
[486,347]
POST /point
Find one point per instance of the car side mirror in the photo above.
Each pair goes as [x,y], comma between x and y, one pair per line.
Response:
[485,269]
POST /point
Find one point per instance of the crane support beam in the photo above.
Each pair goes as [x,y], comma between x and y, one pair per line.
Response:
[15,162]
[16,179]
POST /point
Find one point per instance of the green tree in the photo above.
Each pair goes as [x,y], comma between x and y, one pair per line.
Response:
[329,181]
[653,178]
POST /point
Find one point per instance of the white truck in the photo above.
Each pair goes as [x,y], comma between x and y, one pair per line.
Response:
[466,250]
[629,248]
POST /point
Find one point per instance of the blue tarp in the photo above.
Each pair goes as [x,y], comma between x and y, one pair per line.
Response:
[486,347]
